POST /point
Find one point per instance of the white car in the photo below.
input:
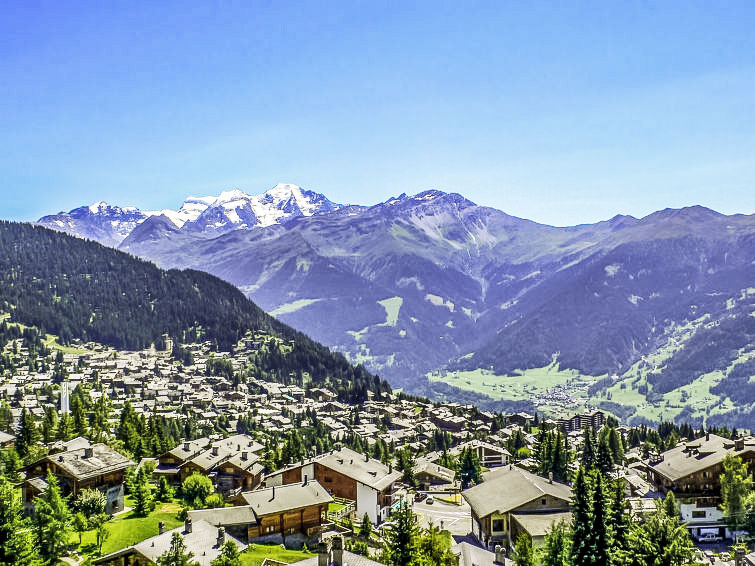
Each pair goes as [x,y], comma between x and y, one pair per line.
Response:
[709,537]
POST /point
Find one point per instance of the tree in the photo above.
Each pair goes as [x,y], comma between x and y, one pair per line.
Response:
[102,533]
[581,549]
[401,537]
[78,410]
[50,425]
[434,548]
[28,434]
[196,488]
[617,447]
[620,524]
[660,540]
[80,524]
[736,485]
[90,502]
[52,522]
[470,469]
[144,503]
[164,491]
[365,529]
[670,505]
[16,543]
[557,545]
[523,554]
[65,427]
[588,449]
[599,522]
[229,555]
[176,555]
[604,457]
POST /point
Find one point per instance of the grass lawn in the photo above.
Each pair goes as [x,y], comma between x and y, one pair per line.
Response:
[128,529]
[335,507]
[256,553]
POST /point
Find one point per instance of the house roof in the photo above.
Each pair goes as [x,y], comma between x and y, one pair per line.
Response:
[239,443]
[102,461]
[282,498]
[225,516]
[349,558]
[369,472]
[538,524]
[510,487]
[471,555]
[434,470]
[201,541]
[691,457]
[188,449]
[5,437]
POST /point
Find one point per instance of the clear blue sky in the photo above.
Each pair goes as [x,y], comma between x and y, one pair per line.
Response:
[561,112]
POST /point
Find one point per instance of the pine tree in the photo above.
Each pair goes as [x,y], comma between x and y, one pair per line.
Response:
[229,555]
[28,434]
[177,555]
[557,546]
[16,543]
[582,524]
[401,537]
[65,427]
[588,449]
[670,506]
[620,524]
[736,485]
[470,469]
[617,446]
[78,411]
[660,540]
[604,458]
[144,503]
[49,425]
[600,518]
[52,528]
[523,554]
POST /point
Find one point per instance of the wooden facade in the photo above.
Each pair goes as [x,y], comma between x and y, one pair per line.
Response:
[302,520]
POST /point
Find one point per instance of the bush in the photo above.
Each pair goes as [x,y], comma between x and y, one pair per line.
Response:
[196,488]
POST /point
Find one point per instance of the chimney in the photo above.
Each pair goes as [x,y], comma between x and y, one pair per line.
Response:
[273,495]
[323,553]
[707,435]
[187,525]
[338,551]
[88,452]
[500,555]
[305,479]
[161,527]
[214,450]
[366,457]
[739,444]
[390,467]
[221,536]
[244,455]
[550,477]
[186,446]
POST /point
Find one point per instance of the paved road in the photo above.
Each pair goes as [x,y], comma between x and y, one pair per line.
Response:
[455,518]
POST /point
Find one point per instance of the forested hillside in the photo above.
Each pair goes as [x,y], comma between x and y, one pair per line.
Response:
[80,289]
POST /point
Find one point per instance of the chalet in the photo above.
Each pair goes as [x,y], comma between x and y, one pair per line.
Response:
[201,538]
[693,471]
[490,455]
[349,475]
[521,419]
[94,467]
[429,474]
[169,464]
[507,500]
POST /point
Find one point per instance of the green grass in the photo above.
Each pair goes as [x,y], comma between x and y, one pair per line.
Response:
[334,507]
[128,529]
[256,553]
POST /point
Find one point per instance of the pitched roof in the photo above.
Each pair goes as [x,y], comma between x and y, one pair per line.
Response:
[370,472]
[282,498]
[102,461]
[349,558]
[697,455]
[225,516]
[201,541]
[538,524]
[510,487]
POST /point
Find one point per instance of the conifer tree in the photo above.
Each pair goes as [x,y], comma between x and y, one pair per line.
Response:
[523,553]
[52,522]
[670,506]
[588,449]
[49,425]
[600,519]
[177,555]
[736,485]
[581,549]
[557,545]
[28,434]
[604,458]
[16,543]
[620,524]
[229,555]
[401,537]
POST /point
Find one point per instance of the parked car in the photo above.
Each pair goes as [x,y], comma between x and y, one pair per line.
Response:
[709,537]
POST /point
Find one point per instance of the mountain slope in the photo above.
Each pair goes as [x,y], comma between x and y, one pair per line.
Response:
[80,289]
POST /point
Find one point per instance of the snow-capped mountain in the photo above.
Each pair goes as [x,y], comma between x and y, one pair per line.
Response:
[208,215]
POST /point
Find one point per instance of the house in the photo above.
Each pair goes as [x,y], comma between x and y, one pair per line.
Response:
[348,475]
[500,504]
[169,464]
[6,439]
[472,555]
[490,456]
[692,470]
[201,538]
[93,467]
[430,474]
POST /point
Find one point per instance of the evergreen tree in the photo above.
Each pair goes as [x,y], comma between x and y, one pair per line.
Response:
[470,469]
[177,555]
[600,519]
[523,554]
[16,543]
[78,412]
[588,449]
[620,524]
[401,537]
[229,555]
[670,505]
[365,529]
[164,491]
[582,524]
[28,434]
[52,522]
[660,540]
[144,503]
[557,546]
[617,446]
[64,431]
[50,425]
[604,458]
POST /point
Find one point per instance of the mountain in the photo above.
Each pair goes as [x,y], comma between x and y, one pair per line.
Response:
[441,295]
[78,289]
[206,216]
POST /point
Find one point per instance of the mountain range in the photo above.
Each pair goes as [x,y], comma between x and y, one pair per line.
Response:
[439,294]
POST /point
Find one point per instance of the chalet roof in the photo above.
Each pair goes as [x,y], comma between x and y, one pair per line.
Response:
[349,558]
[210,458]
[102,461]
[700,454]
[434,470]
[239,443]
[538,524]
[370,472]
[282,498]
[201,541]
[472,555]
[225,516]
[189,449]
[510,487]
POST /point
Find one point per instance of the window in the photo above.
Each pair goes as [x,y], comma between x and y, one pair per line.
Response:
[698,514]
[497,525]
[542,501]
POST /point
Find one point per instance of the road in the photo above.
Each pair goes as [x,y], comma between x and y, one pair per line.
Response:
[455,518]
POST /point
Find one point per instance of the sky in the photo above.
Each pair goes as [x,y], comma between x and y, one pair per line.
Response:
[563,112]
